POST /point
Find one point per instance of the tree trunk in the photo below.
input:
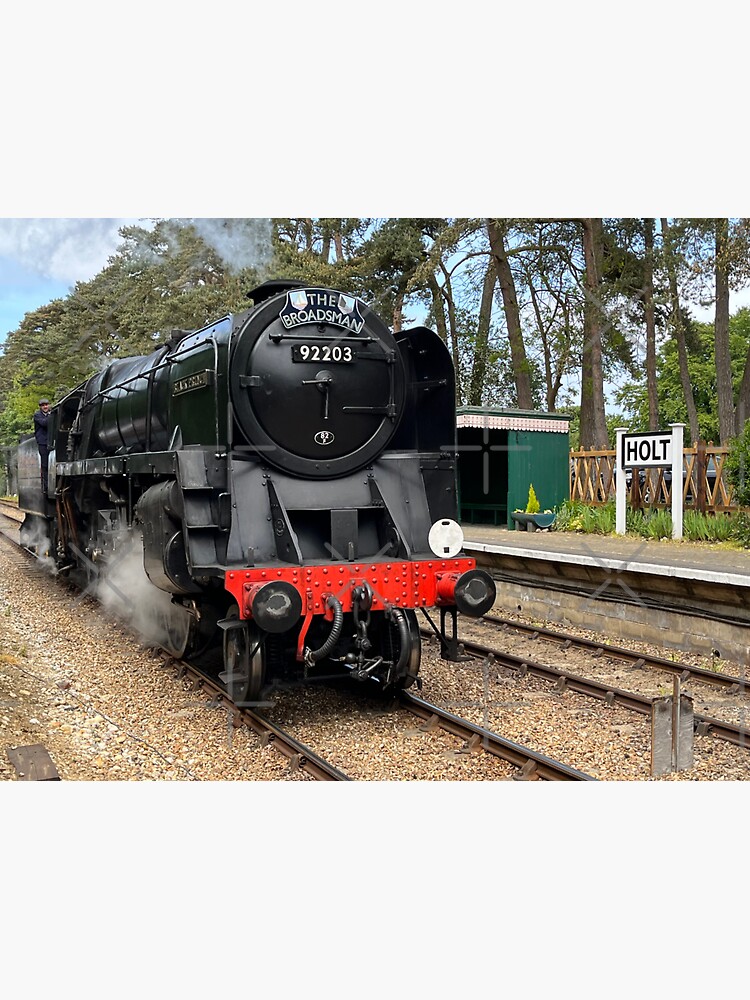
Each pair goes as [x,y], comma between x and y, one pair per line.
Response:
[481,350]
[325,252]
[339,244]
[679,332]
[519,361]
[552,371]
[742,411]
[724,391]
[648,303]
[437,306]
[447,332]
[307,228]
[593,421]
[447,293]
[398,312]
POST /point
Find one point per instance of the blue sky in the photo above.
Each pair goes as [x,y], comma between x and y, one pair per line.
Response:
[22,289]
[41,259]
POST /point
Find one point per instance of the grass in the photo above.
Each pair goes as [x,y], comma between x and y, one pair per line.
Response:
[727,530]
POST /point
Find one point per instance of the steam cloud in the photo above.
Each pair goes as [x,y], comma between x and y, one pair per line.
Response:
[240,243]
[73,250]
[124,589]
[120,585]
[33,536]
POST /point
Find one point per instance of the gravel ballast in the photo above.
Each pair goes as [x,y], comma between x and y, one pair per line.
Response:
[107,709]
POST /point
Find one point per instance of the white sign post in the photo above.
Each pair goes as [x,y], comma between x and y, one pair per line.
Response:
[657,449]
[620,484]
[677,430]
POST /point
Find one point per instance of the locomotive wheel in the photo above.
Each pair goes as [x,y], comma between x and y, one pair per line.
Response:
[410,650]
[175,627]
[167,625]
[244,662]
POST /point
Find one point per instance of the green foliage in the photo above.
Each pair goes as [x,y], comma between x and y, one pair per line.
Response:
[708,527]
[702,368]
[602,519]
[17,416]
[635,521]
[167,278]
[658,524]
[322,252]
[566,514]
[532,504]
[741,529]
[574,428]
[737,466]
[720,528]
[182,274]
[572,515]
[696,526]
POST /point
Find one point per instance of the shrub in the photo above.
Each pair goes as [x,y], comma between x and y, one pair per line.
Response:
[699,527]
[569,516]
[572,515]
[695,527]
[635,522]
[532,506]
[659,524]
[603,519]
[720,528]
[737,466]
[741,529]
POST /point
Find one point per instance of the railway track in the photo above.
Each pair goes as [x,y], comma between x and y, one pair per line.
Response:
[728,682]
[527,764]
[531,765]
[704,725]
[476,738]
[11,510]
[300,756]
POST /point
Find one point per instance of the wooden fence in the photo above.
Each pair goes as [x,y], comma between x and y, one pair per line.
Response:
[704,484]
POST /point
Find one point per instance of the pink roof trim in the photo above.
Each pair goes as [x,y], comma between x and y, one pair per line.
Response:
[502,423]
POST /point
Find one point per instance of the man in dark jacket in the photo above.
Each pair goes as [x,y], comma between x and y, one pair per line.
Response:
[40,433]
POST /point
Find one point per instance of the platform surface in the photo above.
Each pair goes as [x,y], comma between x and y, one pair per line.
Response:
[697,561]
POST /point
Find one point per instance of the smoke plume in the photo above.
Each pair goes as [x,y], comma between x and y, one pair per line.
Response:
[241,243]
[124,588]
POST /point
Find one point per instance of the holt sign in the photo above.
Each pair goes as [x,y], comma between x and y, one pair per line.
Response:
[645,450]
[649,451]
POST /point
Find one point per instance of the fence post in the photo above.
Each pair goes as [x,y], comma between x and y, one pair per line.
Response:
[700,476]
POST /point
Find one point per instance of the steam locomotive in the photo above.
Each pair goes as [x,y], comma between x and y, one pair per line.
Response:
[289,476]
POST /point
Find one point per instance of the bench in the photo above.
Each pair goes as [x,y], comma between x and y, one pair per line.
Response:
[474,513]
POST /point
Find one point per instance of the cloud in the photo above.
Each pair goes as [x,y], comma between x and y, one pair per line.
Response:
[62,249]
[240,243]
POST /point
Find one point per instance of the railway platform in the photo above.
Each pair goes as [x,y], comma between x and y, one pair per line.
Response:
[687,595]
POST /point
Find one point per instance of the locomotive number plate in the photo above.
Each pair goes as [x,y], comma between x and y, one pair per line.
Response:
[336,353]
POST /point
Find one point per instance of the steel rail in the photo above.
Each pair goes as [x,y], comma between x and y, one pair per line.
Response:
[300,756]
[703,724]
[736,685]
[532,765]
[11,511]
